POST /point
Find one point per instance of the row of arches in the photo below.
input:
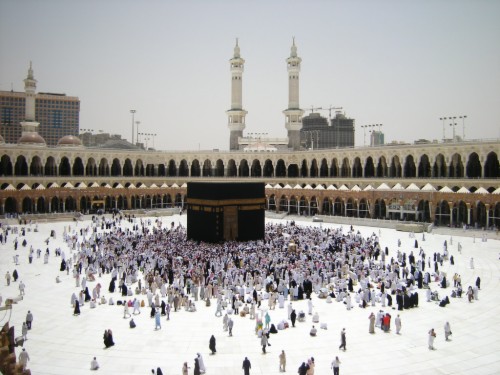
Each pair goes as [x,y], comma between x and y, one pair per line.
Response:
[408,167]
[442,212]
[41,205]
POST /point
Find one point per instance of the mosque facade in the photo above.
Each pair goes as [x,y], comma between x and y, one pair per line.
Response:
[452,183]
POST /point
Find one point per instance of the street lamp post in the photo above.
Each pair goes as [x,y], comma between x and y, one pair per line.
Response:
[453,124]
[153,135]
[133,111]
[369,131]
[463,117]
[137,123]
[364,133]
[443,119]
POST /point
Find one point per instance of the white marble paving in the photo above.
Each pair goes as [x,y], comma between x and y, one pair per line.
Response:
[61,344]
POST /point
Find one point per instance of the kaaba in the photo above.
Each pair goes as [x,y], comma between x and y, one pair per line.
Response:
[218,212]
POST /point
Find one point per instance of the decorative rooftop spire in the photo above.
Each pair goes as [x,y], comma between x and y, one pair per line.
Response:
[30,71]
[236,49]
[293,52]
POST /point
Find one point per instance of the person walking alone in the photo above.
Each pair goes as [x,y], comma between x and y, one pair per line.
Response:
[24,358]
[282,358]
[447,331]
[29,319]
[343,341]
[432,336]
[211,345]
[157,319]
[246,366]
[336,366]
[263,342]
[230,324]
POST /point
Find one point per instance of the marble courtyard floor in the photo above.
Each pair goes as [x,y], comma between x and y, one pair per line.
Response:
[61,344]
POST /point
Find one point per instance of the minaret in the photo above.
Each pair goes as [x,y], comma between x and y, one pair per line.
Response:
[293,113]
[236,115]
[29,126]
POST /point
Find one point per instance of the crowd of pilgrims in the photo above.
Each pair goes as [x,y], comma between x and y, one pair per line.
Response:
[291,262]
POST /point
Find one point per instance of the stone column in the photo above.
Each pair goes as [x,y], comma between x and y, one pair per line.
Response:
[450,204]
[432,213]
[487,206]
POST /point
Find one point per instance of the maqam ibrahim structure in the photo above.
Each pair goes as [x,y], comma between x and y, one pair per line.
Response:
[451,183]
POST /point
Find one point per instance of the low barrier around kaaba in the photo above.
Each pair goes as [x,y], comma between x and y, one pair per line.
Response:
[225,211]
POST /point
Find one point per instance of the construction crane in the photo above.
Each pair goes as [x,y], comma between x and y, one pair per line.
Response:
[315,108]
[329,109]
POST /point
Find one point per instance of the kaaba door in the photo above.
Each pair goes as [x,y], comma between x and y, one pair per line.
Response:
[230,223]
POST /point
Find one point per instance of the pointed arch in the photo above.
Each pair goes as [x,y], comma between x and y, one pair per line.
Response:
[395,169]
[409,169]
[36,168]
[195,168]
[243,170]
[268,170]
[474,166]
[64,167]
[357,169]
[5,166]
[78,169]
[281,170]
[492,166]
[424,167]
[207,168]
[369,167]
[21,166]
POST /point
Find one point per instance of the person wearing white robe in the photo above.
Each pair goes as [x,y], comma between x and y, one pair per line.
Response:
[281,301]
[397,321]
[201,363]
[447,331]
[432,336]
[94,365]
[24,358]
[310,306]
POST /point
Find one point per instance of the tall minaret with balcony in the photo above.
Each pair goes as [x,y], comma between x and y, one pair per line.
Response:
[236,115]
[29,126]
[293,114]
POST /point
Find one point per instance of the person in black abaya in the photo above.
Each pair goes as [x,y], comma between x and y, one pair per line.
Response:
[293,317]
[301,293]
[406,301]
[63,265]
[350,285]
[108,338]
[196,367]
[211,345]
[163,306]
[124,290]
[76,311]
[87,294]
[399,301]
[443,282]
[112,286]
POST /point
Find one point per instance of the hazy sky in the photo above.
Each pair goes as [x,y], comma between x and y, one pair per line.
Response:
[401,63]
